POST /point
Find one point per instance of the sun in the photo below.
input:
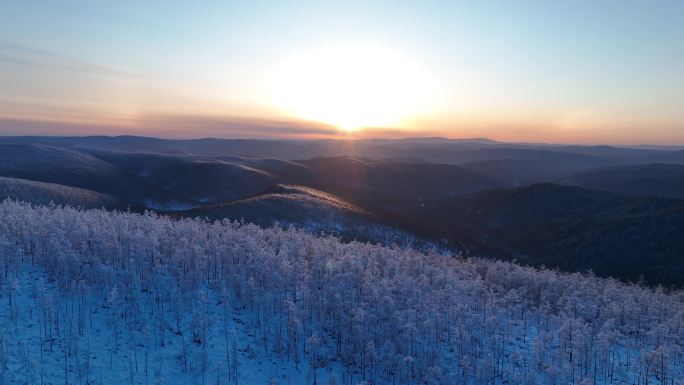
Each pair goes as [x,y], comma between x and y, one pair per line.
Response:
[351,86]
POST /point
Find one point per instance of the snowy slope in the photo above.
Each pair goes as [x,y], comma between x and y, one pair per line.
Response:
[110,298]
[95,346]
[44,193]
[310,209]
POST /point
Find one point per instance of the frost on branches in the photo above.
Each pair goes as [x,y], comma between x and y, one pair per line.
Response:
[97,297]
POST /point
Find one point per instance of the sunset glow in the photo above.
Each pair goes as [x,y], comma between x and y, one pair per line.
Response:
[382,192]
[352,86]
[571,72]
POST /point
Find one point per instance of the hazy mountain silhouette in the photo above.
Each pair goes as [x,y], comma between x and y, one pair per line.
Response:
[570,228]
[75,168]
[651,179]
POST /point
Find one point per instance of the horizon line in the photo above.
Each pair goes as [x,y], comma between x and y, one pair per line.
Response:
[673,147]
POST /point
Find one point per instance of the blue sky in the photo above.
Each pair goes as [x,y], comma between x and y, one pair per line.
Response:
[579,71]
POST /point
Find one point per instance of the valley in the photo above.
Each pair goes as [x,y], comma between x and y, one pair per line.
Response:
[537,204]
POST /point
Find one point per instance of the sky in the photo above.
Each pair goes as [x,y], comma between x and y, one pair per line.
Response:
[598,71]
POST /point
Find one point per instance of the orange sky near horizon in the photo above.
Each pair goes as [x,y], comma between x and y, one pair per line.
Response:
[534,72]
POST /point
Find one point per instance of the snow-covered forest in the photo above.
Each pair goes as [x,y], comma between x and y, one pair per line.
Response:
[98,297]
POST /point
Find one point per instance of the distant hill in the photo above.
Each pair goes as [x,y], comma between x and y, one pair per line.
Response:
[76,168]
[475,196]
[385,184]
[212,179]
[673,157]
[182,181]
[430,150]
[651,179]
[44,193]
[520,172]
[200,178]
[305,208]
[570,228]
[286,203]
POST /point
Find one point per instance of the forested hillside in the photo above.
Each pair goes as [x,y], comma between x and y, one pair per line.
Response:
[45,193]
[103,297]
[312,210]
[486,201]
[653,179]
[570,228]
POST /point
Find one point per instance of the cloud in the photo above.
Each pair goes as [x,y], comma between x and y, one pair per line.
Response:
[173,126]
[236,126]
[35,81]
[34,57]
[14,127]
[196,126]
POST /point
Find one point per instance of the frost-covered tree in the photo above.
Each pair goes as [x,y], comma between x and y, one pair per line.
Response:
[111,297]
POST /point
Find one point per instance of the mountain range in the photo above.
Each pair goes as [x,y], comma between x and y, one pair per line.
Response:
[617,211]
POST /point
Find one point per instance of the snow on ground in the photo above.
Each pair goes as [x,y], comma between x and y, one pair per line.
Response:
[100,350]
[113,298]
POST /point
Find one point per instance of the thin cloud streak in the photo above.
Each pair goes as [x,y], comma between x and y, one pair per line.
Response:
[24,55]
[198,126]
[174,127]
[240,126]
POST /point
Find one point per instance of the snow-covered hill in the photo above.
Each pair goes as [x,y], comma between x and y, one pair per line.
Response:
[312,210]
[44,193]
[97,297]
